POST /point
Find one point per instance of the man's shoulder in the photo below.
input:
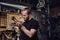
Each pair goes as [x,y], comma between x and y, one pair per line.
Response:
[34,21]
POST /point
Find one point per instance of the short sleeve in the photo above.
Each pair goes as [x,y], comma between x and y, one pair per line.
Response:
[35,25]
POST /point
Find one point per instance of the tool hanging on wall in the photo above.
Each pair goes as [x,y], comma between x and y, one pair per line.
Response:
[40,4]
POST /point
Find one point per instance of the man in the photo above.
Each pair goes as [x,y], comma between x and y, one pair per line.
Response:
[29,27]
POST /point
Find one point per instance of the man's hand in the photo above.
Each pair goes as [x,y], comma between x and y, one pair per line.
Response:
[16,21]
[19,23]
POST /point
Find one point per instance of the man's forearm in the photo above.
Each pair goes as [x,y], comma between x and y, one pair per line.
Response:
[27,32]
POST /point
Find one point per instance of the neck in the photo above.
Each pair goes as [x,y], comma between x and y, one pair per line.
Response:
[30,18]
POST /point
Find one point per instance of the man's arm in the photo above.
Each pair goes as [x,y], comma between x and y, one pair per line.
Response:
[29,33]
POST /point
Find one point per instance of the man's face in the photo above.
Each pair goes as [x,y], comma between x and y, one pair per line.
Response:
[25,15]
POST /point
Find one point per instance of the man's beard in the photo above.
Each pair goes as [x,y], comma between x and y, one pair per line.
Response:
[27,19]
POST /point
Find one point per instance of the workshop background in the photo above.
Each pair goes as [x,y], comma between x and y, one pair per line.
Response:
[46,12]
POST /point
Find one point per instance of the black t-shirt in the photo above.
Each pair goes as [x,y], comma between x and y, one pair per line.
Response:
[30,24]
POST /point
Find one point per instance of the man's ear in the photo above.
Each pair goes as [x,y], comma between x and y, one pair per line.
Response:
[30,15]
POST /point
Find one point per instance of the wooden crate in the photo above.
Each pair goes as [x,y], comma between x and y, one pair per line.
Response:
[6,18]
[6,21]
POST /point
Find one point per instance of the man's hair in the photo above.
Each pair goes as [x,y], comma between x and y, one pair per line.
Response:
[28,10]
